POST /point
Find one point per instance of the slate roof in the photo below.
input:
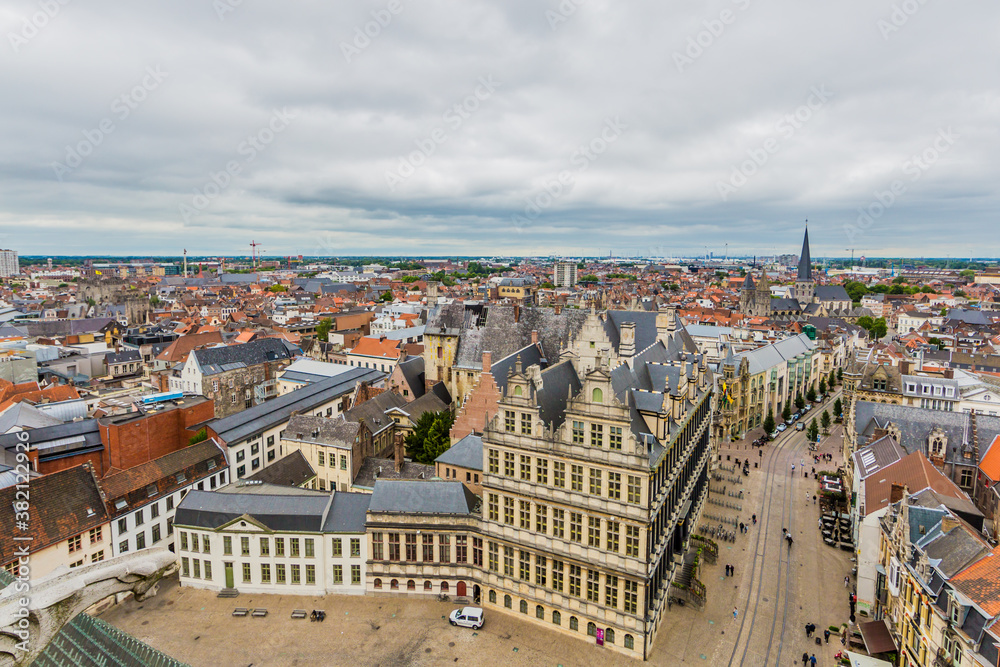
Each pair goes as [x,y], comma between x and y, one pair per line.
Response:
[58,441]
[530,355]
[422,497]
[374,470]
[413,370]
[123,357]
[302,511]
[220,359]
[832,293]
[337,431]
[63,504]
[290,470]
[90,642]
[805,262]
[786,304]
[466,453]
[372,411]
[50,328]
[348,513]
[429,402]
[261,417]
[559,382]
[645,329]
[26,416]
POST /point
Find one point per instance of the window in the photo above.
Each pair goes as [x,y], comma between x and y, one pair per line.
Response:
[540,570]
[343,462]
[614,485]
[337,551]
[227,545]
[355,574]
[593,586]
[493,507]
[154,511]
[557,576]
[542,471]
[494,557]
[576,477]
[140,540]
[196,565]
[411,547]
[279,573]
[508,561]
[428,549]
[559,474]
[355,547]
[321,458]
[632,541]
[310,575]
[507,602]
[508,464]
[246,573]
[296,574]
[966,479]
[612,540]
[525,514]
[493,597]
[477,551]
[184,541]
[185,567]
[279,547]
[241,471]
[597,435]
[293,547]
[310,548]
[122,525]
[574,624]
[526,468]
[609,636]
[508,511]
[265,547]
[508,421]
[631,598]
[244,546]
[575,527]
[615,437]
[151,490]
[97,557]
[139,518]
[595,481]
[597,396]
[541,519]
[577,433]
[594,532]
[591,629]
[525,423]
[444,548]
[634,489]
[96,534]
[558,525]
[156,533]
[265,573]
[338,574]
[376,546]
[611,591]
[494,462]
[574,580]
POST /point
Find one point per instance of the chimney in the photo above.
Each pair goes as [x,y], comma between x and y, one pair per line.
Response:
[534,336]
[626,347]
[399,451]
[671,318]
[896,493]
[517,313]
[558,308]
[948,522]
[487,361]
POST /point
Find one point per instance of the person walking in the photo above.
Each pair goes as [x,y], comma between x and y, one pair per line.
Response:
[805,659]
[826,635]
[847,581]
[793,468]
[736,614]
[807,629]
[754,519]
[812,660]
[732,570]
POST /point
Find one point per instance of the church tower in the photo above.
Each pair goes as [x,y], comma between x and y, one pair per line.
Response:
[755,297]
[805,287]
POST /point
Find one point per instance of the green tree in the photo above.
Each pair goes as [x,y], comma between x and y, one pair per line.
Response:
[323,329]
[944,312]
[409,279]
[899,281]
[547,285]
[855,290]
[811,395]
[936,341]
[825,421]
[769,422]
[968,273]
[838,408]
[959,293]
[799,401]
[866,322]
[589,278]
[832,380]
[840,375]
[429,438]
[813,430]
[786,412]
[880,328]
[386,296]
[154,300]
[278,288]
[822,385]
[200,436]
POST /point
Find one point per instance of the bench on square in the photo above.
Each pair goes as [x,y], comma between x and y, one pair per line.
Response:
[241,611]
[299,613]
[259,613]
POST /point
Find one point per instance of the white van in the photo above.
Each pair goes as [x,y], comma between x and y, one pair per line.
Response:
[468,617]
[800,426]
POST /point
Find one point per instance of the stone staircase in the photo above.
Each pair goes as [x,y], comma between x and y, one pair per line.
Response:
[229,593]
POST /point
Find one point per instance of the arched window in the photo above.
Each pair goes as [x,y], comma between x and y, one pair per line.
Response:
[518,391]
[507,602]
[629,642]
[378,583]
[427,585]
[609,636]
[556,618]
[493,597]
[524,606]
[591,629]
[394,585]
[574,624]
[598,395]
[444,586]
[411,585]
[540,612]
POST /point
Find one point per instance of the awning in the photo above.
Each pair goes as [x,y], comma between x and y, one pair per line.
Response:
[877,637]
[858,660]
[880,569]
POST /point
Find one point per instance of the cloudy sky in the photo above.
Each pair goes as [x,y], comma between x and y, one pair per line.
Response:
[503,127]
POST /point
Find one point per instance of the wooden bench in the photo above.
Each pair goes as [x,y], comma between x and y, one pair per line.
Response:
[259,613]
[241,611]
[299,613]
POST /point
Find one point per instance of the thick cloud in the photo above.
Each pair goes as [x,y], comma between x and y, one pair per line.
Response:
[517,127]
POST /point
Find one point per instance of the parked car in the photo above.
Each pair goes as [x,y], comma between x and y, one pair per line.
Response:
[781,427]
[467,617]
[801,426]
[775,434]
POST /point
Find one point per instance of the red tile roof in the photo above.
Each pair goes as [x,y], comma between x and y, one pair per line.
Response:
[990,465]
[916,473]
[981,582]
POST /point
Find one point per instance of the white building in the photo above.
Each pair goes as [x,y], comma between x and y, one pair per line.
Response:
[9,265]
[564,274]
[263,538]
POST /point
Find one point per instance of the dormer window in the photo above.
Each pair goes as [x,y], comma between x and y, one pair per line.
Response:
[151,490]
[181,477]
[121,504]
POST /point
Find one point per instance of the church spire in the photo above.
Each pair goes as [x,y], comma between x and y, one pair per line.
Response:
[805,262]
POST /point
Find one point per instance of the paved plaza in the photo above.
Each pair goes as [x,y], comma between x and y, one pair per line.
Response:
[776,591]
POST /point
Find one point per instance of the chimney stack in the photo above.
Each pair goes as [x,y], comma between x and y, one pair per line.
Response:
[534,336]
[487,361]
[399,451]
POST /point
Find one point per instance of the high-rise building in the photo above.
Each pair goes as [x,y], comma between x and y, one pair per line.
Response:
[564,274]
[9,265]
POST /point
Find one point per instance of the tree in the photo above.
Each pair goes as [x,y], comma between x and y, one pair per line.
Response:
[838,408]
[589,278]
[899,281]
[154,300]
[840,375]
[769,422]
[323,329]
[825,421]
[880,328]
[386,296]
[959,293]
[430,438]
[944,312]
[813,432]
[799,401]
[866,322]
[547,285]
[967,273]
[786,412]
[934,340]
[855,290]
[822,385]
[832,380]
[278,288]
[200,436]
[811,395]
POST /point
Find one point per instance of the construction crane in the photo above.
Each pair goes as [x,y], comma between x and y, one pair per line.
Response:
[852,253]
[253,253]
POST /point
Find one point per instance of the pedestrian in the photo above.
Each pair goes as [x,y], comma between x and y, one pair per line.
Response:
[847,581]
[805,659]
[754,519]
[814,499]
[741,526]
[812,660]
[736,613]
[807,629]
[732,570]
[793,468]
[789,542]
[826,635]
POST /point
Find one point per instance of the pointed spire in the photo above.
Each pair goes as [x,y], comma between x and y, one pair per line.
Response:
[805,261]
